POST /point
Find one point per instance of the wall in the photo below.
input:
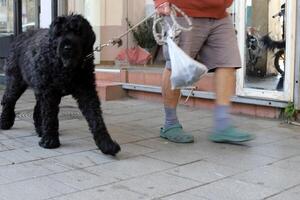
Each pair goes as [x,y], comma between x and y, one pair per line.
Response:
[113,23]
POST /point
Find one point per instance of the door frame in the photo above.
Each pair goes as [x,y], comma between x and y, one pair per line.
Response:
[287,94]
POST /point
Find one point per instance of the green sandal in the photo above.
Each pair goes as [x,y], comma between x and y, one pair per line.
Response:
[230,135]
[176,134]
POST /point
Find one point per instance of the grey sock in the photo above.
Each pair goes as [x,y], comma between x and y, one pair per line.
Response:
[170,117]
[221,117]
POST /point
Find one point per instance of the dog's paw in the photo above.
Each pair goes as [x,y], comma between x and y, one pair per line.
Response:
[49,142]
[7,122]
[108,146]
[5,125]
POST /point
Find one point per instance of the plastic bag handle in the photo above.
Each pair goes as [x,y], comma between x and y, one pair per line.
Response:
[160,38]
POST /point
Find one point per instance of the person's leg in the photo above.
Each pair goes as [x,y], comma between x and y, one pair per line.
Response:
[221,53]
[224,86]
[190,42]
[223,130]
[170,99]
[172,130]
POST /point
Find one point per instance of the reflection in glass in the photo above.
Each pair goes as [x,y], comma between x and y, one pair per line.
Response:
[28,15]
[6,17]
[6,27]
[265,44]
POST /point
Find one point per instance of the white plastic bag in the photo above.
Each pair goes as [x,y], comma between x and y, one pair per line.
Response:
[185,70]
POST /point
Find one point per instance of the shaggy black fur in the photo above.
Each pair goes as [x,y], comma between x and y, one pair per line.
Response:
[52,62]
[271,44]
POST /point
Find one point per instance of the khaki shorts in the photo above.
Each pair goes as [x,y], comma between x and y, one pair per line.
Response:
[211,41]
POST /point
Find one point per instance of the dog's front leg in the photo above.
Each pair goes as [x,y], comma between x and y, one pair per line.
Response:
[49,108]
[89,105]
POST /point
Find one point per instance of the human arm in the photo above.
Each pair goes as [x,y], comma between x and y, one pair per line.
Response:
[162,7]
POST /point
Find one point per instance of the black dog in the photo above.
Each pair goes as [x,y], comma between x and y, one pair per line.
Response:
[55,62]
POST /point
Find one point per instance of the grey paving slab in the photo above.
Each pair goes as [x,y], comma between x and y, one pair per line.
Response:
[140,131]
[271,177]
[148,123]
[132,150]
[34,189]
[125,138]
[148,167]
[284,148]
[292,163]
[4,161]
[71,125]
[183,196]
[187,113]
[133,167]
[78,145]
[82,180]
[101,193]
[18,156]
[41,153]
[161,144]
[20,129]
[268,136]
[128,118]
[74,133]
[3,136]
[158,185]
[204,172]
[244,161]
[3,147]
[178,156]
[231,189]
[20,172]
[18,143]
[198,124]
[52,165]
[258,123]
[291,194]
[83,159]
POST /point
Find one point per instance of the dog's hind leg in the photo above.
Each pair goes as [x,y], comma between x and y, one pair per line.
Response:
[15,87]
[89,105]
[49,108]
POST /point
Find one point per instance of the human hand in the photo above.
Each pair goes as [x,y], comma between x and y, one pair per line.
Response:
[164,9]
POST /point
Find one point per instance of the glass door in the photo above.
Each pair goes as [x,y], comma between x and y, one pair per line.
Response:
[6,28]
[29,14]
[266,34]
[16,16]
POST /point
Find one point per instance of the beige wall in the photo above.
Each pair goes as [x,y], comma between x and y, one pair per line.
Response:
[114,23]
[112,14]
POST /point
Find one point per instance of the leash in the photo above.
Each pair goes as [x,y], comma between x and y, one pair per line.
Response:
[160,37]
[118,40]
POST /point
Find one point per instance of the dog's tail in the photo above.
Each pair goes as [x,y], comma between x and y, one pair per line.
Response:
[271,44]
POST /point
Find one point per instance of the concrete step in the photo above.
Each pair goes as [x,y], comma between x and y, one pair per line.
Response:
[108,91]
[152,77]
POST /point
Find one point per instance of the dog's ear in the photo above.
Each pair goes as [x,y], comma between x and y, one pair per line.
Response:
[56,26]
[91,38]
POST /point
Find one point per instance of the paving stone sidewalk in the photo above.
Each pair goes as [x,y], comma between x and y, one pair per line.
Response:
[148,167]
